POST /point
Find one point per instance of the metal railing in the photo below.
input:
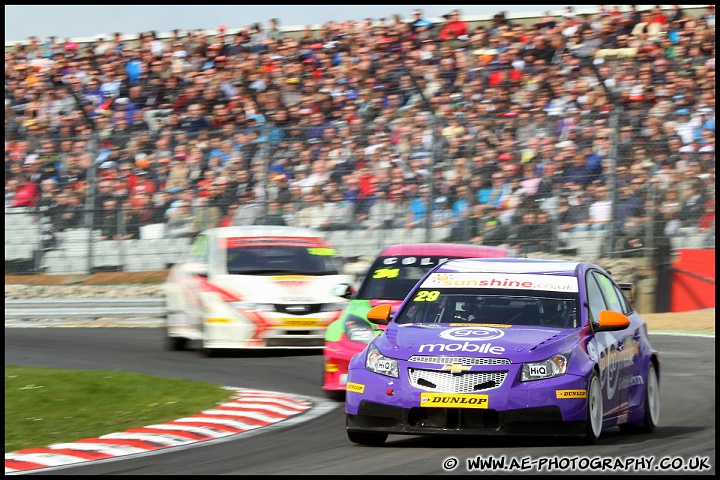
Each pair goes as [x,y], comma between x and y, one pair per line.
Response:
[84,308]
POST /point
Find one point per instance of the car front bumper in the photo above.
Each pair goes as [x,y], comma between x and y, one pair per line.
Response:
[377,417]
[383,404]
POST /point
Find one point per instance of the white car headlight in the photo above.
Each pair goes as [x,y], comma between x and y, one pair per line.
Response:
[379,363]
[554,366]
[332,307]
[358,330]
[263,307]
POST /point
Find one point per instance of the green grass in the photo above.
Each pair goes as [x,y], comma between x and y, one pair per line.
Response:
[44,406]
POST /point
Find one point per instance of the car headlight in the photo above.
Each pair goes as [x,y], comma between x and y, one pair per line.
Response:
[332,307]
[554,366]
[264,307]
[358,330]
[379,363]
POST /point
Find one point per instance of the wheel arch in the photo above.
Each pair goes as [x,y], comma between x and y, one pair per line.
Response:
[655,360]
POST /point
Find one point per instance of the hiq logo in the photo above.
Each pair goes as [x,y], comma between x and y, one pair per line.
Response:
[475,334]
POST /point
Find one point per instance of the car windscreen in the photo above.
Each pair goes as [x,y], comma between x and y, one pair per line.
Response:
[392,278]
[492,306]
[275,259]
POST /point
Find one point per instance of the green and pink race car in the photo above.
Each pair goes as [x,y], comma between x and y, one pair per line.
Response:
[393,273]
[506,346]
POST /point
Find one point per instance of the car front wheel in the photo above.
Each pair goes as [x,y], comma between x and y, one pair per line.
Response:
[209,352]
[593,423]
[174,344]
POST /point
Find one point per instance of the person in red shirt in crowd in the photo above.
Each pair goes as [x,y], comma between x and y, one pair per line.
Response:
[366,181]
[127,176]
[145,211]
[707,219]
[226,221]
[27,194]
[454,27]
[143,186]
[108,170]
[209,177]
[657,15]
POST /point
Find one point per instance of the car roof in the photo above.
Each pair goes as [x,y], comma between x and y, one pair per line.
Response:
[512,265]
[264,231]
[451,249]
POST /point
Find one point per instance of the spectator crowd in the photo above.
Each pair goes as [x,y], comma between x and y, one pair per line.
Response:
[507,132]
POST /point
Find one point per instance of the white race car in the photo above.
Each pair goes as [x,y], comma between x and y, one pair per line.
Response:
[255,287]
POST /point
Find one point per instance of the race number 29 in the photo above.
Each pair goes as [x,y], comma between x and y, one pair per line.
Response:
[426,296]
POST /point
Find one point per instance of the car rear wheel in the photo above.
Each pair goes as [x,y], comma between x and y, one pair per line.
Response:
[593,423]
[367,438]
[651,405]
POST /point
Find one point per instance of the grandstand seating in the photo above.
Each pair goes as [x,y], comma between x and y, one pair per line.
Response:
[22,237]
[73,249]
[588,244]
[107,254]
[59,262]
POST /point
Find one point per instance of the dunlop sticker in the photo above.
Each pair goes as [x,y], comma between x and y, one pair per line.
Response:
[571,393]
[217,320]
[457,400]
[300,322]
[355,387]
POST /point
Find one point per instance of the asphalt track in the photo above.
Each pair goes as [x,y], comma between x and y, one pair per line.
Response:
[314,442]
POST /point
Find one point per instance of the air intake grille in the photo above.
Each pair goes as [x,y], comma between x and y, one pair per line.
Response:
[459,360]
[298,309]
[470,382]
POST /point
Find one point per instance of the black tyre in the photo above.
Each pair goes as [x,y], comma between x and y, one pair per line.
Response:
[651,405]
[209,352]
[367,438]
[175,344]
[593,422]
[336,395]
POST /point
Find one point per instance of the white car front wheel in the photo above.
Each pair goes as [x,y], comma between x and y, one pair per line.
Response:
[593,423]
[652,400]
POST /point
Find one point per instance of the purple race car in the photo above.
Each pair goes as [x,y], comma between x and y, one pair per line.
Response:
[506,346]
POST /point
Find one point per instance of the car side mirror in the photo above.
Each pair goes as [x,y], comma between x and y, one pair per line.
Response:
[609,321]
[344,290]
[379,314]
[199,269]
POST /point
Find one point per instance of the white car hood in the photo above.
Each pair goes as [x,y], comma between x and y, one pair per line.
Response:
[283,288]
